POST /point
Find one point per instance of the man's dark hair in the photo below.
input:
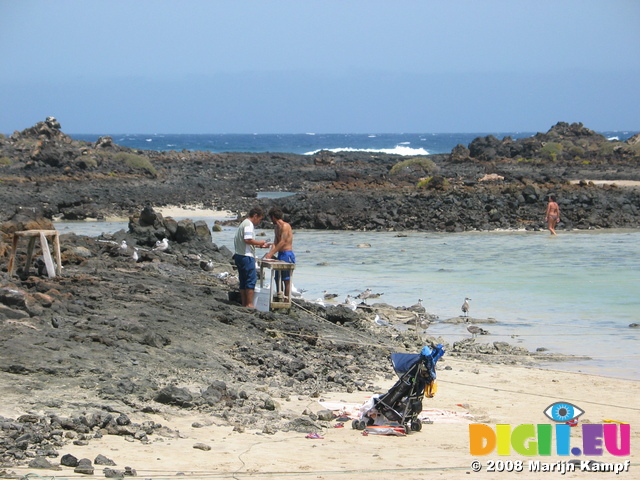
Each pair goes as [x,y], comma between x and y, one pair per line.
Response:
[256,211]
[276,213]
[552,198]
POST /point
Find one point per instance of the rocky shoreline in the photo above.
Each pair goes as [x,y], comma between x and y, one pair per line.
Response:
[112,336]
[489,184]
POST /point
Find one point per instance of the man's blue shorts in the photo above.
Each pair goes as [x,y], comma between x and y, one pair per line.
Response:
[246,271]
[289,257]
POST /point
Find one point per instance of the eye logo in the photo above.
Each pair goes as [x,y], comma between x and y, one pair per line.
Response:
[562,412]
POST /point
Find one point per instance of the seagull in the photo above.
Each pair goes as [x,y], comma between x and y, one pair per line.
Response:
[135,255]
[161,246]
[207,266]
[418,307]
[329,296]
[123,246]
[295,292]
[424,322]
[378,321]
[364,295]
[465,307]
[350,303]
[473,330]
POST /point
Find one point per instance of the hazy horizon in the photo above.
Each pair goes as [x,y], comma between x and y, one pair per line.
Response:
[362,66]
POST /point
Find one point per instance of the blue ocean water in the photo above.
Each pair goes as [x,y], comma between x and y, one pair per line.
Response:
[306,143]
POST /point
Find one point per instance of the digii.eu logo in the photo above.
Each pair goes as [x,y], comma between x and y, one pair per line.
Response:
[540,439]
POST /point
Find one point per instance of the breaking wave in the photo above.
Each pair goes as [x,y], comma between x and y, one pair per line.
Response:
[397,150]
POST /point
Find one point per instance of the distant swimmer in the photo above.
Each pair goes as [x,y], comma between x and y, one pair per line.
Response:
[552,216]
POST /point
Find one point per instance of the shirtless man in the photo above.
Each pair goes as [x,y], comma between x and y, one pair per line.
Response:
[553,214]
[283,246]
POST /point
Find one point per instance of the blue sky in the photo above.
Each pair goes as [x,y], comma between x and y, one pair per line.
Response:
[324,66]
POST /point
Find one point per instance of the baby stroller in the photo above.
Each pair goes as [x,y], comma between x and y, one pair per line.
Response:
[402,404]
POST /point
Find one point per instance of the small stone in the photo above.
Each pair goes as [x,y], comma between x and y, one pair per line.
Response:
[269,430]
[102,460]
[69,460]
[111,473]
[40,462]
[202,446]
[84,467]
[326,415]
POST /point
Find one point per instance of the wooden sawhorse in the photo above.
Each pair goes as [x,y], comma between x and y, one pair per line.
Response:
[33,235]
[280,300]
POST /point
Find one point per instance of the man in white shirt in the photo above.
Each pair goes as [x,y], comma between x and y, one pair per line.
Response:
[245,255]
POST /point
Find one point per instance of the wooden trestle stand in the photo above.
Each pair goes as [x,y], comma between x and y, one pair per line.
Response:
[277,297]
[33,235]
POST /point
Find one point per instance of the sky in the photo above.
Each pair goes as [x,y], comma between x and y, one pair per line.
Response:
[321,66]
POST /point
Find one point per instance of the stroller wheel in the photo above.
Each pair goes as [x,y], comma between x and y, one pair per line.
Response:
[358,425]
[416,425]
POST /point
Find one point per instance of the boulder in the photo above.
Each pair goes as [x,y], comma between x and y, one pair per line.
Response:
[172,395]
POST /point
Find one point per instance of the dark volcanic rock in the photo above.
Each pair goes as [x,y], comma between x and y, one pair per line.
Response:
[125,336]
[172,395]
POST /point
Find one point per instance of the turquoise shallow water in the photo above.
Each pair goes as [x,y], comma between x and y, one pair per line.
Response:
[575,293]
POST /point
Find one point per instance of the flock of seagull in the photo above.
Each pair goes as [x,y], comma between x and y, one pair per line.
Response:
[349,301]
[134,252]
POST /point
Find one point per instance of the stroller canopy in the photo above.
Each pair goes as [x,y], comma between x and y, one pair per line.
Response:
[403,362]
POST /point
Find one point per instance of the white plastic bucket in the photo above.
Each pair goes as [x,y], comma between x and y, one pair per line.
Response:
[261,299]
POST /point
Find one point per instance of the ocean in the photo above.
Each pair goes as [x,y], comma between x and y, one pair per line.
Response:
[575,294]
[308,143]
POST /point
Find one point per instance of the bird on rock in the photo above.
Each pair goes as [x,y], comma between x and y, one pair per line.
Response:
[465,307]
[418,307]
[207,266]
[161,246]
[350,303]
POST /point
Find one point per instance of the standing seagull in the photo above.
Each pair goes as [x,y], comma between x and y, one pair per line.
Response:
[473,330]
[364,295]
[465,307]
[418,307]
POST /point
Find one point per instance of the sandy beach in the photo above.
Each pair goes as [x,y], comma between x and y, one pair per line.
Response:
[193,211]
[469,392]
